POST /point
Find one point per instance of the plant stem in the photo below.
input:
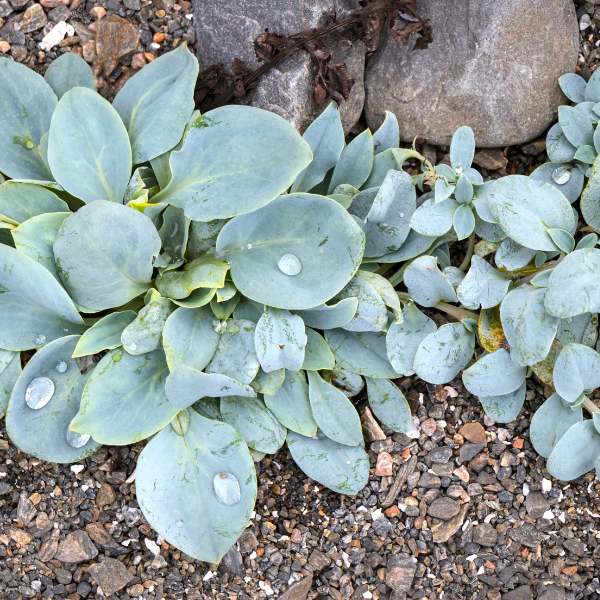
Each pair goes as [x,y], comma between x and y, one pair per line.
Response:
[454,311]
[590,406]
[469,255]
[529,277]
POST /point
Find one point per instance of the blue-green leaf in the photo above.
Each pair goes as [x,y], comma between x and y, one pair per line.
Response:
[325,136]
[389,404]
[343,469]
[576,452]
[105,334]
[512,256]
[582,329]
[21,201]
[318,355]
[69,71]
[156,103]
[198,490]
[126,240]
[462,148]
[558,147]
[576,126]
[577,369]
[442,190]
[494,374]
[218,174]
[505,408]
[464,190]
[463,221]
[550,422]
[573,86]
[26,108]
[330,316]
[371,312]
[483,286]
[88,147]
[388,134]
[10,369]
[355,163]
[548,172]
[432,219]
[426,283]
[144,334]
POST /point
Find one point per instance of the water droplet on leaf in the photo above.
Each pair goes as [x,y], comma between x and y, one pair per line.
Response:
[77,440]
[289,264]
[39,392]
[40,339]
[561,175]
[458,170]
[61,366]
[227,489]
[132,347]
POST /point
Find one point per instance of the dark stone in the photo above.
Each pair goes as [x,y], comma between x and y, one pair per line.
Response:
[485,535]
[552,592]
[443,508]
[400,572]
[298,590]
[232,561]
[382,527]
[318,560]
[247,542]
[440,455]
[226,30]
[33,18]
[575,546]
[25,510]
[536,504]
[523,592]
[58,14]
[468,452]
[111,575]
[76,547]
[526,535]
[484,69]
[429,481]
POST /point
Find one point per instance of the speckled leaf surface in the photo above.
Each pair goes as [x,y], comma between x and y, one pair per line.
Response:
[574,286]
[512,256]
[68,71]
[185,385]
[558,147]
[35,238]
[333,412]
[550,422]
[389,404]
[494,374]
[189,337]
[291,404]
[577,369]
[268,383]
[571,189]
[462,148]
[21,201]
[144,334]
[426,283]
[364,353]
[280,340]
[124,400]
[528,327]
[319,233]
[156,103]
[576,452]
[88,147]
[483,286]
[230,163]
[526,208]
[432,219]
[388,134]
[371,313]
[26,107]
[318,356]
[257,424]
[175,487]
[105,334]
[403,339]
[325,136]
[355,162]
[575,125]
[330,316]
[590,198]
[43,432]
[573,86]
[444,353]
[582,329]
[34,308]
[504,408]
[10,369]
[343,469]
[125,240]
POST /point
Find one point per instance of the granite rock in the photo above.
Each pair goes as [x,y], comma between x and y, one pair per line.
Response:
[492,65]
[226,30]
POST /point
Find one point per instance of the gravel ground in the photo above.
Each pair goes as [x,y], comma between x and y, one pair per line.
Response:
[466,510]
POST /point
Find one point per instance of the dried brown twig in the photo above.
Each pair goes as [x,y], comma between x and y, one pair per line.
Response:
[216,87]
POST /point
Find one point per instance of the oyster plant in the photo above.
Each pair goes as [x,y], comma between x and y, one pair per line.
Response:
[219,285]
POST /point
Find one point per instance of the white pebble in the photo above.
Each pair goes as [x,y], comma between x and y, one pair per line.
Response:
[155,45]
[546,485]
[585,22]
[152,546]
[77,468]
[208,576]
[376,514]
[525,489]
[548,515]
[367,594]
[56,35]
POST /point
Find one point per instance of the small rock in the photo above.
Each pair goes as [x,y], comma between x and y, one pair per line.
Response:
[56,36]
[58,14]
[443,531]
[536,504]
[429,481]
[441,455]
[63,576]
[526,535]
[98,12]
[382,527]
[490,158]
[462,474]
[385,464]
[4,48]
[25,510]
[248,542]
[484,534]
[5,8]
[318,560]
[54,3]
[98,533]
[468,452]
[534,148]
[22,538]
[136,590]
[33,18]
[370,427]
[575,546]
[232,561]
[105,495]
[76,547]
[159,562]
[115,39]
[132,4]
[428,427]
[48,548]
[400,572]
[298,590]
[552,592]
[473,432]
[138,61]
[523,592]
[111,575]
[443,508]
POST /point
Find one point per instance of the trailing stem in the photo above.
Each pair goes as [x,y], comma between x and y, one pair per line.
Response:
[449,309]
[590,406]
[469,255]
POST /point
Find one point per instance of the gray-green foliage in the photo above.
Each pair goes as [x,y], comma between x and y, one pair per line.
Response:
[239,289]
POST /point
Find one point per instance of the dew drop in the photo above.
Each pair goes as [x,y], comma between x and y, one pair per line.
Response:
[561,175]
[40,339]
[77,440]
[402,215]
[61,366]
[180,523]
[132,347]
[289,264]
[458,170]
[39,392]
[227,489]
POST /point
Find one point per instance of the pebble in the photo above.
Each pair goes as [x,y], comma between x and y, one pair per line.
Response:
[76,547]
[400,572]
[384,466]
[33,18]
[536,504]
[473,432]
[443,508]
[484,534]
[111,575]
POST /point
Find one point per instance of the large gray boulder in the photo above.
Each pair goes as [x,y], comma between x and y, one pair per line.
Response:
[492,65]
[226,29]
